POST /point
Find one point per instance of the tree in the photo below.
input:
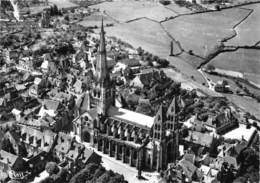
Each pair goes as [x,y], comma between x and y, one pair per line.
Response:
[52,168]
[140,51]
[217,7]
[85,174]
[225,175]
[67,18]
[249,161]
[144,108]
[210,67]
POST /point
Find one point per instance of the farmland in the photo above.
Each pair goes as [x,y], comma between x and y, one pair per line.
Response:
[95,19]
[248,31]
[246,104]
[254,78]
[201,32]
[177,9]
[124,11]
[63,3]
[243,61]
[144,33]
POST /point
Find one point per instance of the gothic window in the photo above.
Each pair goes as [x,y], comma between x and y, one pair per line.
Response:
[86,118]
[156,135]
[159,117]
[98,94]
[169,117]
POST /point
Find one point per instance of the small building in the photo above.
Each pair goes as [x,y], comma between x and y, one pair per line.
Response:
[38,87]
[50,107]
[197,140]
[222,86]
[13,165]
[225,122]
[69,151]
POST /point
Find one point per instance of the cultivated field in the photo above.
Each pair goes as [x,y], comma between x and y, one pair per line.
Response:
[245,61]
[248,32]
[95,20]
[124,11]
[201,32]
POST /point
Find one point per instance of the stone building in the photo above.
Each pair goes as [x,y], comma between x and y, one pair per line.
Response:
[133,138]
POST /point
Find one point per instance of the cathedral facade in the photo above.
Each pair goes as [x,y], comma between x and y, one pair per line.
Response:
[144,142]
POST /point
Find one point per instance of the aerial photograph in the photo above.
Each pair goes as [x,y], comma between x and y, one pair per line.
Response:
[129,91]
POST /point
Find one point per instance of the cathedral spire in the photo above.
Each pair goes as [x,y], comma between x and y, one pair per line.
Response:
[101,67]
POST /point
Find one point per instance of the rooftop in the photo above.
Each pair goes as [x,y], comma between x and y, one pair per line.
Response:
[8,158]
[203,139]
[131,116]
[241,133]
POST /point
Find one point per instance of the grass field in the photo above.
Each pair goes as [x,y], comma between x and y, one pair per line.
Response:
[245,61]
[191,59]
[248,32]
[63,3]
[246,104]
[95,20]
[254,78]
[201,32]
[145,33]
[177,9]
[151,37]
[124,11]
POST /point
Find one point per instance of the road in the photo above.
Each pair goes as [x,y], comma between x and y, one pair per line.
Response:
[129,173]
[210,83]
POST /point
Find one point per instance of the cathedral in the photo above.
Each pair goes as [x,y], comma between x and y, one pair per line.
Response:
[144,142]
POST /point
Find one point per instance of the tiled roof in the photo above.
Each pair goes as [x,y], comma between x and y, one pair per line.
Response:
[9,159]
[51,104]
[188,168]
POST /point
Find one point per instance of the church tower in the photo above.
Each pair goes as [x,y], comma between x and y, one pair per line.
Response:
[103,91]
[159,137]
